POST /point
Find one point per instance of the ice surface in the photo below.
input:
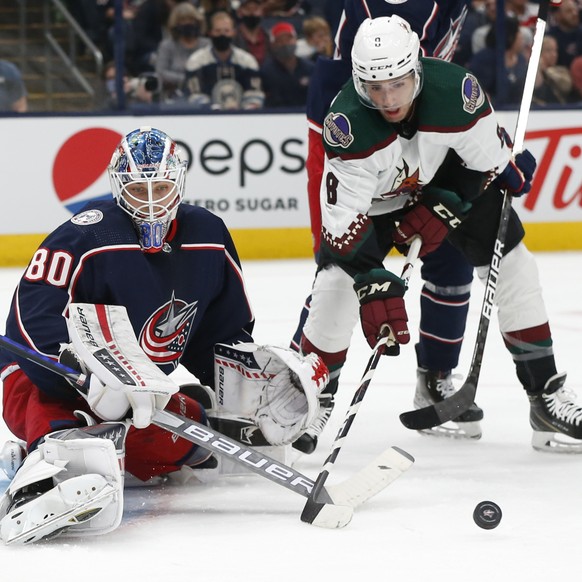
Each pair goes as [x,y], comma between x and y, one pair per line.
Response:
[419,528]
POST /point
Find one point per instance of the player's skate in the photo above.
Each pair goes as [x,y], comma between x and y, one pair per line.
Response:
[556,418]
[307,442]
[434,387]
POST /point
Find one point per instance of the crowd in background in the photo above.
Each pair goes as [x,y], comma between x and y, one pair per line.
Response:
[249,54]
[559,78]
[213,54]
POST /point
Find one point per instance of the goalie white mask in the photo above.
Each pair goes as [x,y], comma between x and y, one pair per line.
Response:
[147,175]
[386,69]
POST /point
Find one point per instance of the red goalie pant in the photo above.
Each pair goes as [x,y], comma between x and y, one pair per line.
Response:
[30,414]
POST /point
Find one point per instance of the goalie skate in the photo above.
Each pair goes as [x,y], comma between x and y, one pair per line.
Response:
[556,418]
[307,442]
[47,515]
[432,387]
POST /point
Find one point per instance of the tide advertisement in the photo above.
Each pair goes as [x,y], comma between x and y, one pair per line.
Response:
[247,168]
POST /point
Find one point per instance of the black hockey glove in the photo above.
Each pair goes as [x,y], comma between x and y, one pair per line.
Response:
[381,293]
[439,212]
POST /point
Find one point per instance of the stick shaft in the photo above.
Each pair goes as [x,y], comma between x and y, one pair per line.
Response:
[385,337]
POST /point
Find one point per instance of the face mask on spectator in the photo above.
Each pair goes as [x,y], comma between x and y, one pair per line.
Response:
[187,30]
[283,52]
[251,21]
[221,43]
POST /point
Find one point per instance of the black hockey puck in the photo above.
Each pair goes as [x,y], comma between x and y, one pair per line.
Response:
[487,514]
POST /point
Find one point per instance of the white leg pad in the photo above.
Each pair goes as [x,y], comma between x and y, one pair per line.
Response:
[518,294]
[87,497]
[75,501]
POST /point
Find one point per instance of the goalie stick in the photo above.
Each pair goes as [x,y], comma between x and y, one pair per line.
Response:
[316,510]
[453,406]
[339,500]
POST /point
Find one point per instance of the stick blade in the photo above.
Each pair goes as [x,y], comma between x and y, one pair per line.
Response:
[441,412]
[326,515]
[341,499]
[375,477]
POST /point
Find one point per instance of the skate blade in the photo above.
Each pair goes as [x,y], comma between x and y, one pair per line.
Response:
[554,442]
[82,511]
[454,430]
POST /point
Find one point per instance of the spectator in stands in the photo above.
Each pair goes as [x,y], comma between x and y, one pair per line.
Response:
[317,35]
[187,27]
[209,7]
[291,11]
[223,76]
[285,75]
[477,24]
[13,95]
[251,35]
[576,75]
[147,31]
[141,92]
[525,12]
[553,82]
[527,15]
[567,31]
[95,17]
[483,65]
[480,33]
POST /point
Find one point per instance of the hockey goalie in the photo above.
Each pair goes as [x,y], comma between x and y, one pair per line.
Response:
[124,292]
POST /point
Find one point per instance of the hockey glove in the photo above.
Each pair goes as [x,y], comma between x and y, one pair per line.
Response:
[381,293]
[108,405]
[122,375]
[276,388]
[518,174]
[439,212]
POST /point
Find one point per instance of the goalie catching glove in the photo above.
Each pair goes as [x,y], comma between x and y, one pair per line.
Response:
[121,375]
[276,388]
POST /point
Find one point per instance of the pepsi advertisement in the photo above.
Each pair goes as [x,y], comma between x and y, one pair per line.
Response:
[250,170]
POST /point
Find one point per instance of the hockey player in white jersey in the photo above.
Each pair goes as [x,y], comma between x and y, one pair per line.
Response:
[391,137]
[447,275]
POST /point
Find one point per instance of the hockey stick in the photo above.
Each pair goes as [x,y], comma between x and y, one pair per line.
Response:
[315,510]
[454,405]
[339,500]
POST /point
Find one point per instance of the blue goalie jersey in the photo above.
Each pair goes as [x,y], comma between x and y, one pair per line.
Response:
[180,301]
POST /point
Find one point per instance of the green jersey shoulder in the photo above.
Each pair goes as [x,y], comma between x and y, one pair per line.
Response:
[451,98]
[352,129]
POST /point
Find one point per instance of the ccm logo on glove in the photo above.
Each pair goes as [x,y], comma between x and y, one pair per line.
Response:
[381,293]
[439,212]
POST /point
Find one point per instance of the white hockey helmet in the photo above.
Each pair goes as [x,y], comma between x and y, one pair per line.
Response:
[147,175]
[385,49]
